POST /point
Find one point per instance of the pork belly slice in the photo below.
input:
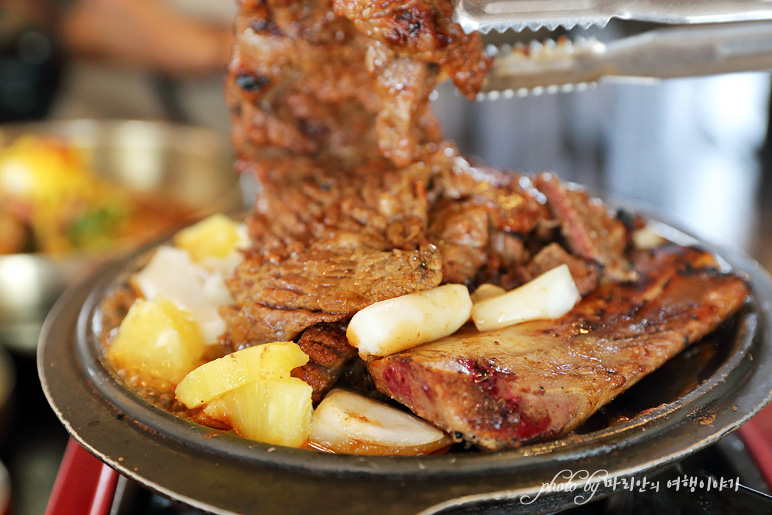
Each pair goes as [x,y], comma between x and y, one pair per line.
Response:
[542,379]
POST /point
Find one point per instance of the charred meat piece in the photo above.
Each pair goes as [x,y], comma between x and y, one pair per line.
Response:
[328,352]
[298,83]
[423,30]
[313,78]
[479,219]
[329,243]
[411,47]
[509,197]
[586,273]
[304,203]
[254,324]
[461,233]
[340,283]
[589,230]
[542,379]
[404,121]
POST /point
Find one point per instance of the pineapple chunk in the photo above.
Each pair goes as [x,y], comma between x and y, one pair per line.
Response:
[158,339]
[217,236]
[217,410]
[349,423]
[275,411]
[210,380]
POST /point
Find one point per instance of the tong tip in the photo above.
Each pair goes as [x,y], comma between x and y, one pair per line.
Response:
[535,91]
[472,24]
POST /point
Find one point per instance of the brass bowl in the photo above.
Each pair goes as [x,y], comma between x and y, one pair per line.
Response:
[191,166]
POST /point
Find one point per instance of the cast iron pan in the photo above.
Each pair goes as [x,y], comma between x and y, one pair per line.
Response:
[701,395]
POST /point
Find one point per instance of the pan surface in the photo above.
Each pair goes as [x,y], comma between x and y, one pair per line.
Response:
[701,395]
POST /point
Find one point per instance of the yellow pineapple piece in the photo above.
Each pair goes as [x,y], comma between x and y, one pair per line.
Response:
[158,339]
[210,380]
[216,236]
[275,411]
[216,409]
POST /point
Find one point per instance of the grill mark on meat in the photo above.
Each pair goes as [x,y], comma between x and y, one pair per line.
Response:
[328,352]
[587,227]
[255,324]
[424,31]
[341,283]
[361,200]
[542,379]
[586,273]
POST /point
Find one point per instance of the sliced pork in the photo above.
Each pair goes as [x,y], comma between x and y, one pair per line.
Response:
[542,379]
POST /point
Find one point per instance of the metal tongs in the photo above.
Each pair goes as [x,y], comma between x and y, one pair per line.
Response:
[706,37]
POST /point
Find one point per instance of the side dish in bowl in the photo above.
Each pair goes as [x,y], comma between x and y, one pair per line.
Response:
[53,202]
[74,194]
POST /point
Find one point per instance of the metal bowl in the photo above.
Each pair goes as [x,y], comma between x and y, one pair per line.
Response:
[188,165]
[682,407]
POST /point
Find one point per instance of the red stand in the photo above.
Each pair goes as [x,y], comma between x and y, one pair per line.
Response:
[757,435]
[84,485]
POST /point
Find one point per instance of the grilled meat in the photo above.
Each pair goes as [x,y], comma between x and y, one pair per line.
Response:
[341,281]
[361,200]
[411,47]
[543,379]
[586,273]
[253,324]
[587,229]
[304,80]
[328,352]
[423,31]
[346,241]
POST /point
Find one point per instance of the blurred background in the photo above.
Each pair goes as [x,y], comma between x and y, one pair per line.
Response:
[696,150]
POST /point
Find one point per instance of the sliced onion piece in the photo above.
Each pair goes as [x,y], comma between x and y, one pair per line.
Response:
[172,274]
[346,422]
[401,323]
[551,295]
